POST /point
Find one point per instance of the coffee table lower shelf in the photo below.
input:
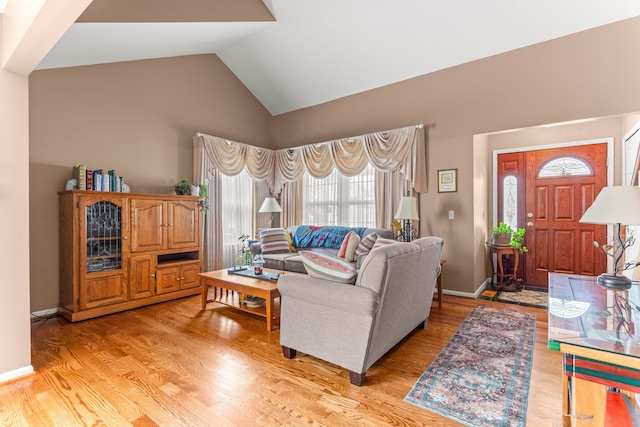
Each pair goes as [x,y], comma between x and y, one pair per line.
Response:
[228,287]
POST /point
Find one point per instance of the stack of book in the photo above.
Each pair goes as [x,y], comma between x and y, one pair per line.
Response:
[97,180]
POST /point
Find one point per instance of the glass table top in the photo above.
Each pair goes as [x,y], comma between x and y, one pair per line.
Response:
[582,313]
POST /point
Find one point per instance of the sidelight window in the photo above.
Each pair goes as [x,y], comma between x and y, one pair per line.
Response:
[510,201]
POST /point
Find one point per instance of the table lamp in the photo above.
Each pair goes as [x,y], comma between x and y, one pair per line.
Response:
[407,211]
[270,205]
[619,206]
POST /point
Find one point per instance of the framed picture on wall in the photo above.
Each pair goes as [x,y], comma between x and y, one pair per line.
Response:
[447,180]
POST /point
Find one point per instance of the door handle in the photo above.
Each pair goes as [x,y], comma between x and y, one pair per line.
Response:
[530,224]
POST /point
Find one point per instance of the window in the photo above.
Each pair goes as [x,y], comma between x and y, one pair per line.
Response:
[339,199]
[564,166]
[237,207]
[510,201]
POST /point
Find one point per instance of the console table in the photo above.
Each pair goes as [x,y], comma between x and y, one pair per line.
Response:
[595,329]
[498,265]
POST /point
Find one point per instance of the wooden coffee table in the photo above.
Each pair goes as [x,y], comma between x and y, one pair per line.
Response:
[227,288]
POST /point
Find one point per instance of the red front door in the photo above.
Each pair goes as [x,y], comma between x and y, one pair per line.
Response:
[554,200]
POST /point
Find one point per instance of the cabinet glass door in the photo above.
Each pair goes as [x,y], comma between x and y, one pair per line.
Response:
[104,237]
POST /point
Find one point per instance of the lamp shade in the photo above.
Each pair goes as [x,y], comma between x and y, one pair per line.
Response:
[270,205]
[407,209]
[615,205]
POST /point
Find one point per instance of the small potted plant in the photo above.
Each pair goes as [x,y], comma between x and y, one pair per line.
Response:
[517,240]
[244,253]
[183,187]
[501,235]
[504,235]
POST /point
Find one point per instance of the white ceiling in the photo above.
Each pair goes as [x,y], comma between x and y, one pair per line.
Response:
[320,50]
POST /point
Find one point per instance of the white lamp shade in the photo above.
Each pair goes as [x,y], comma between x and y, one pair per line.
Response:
[407,209]
[270,205]
[615,205]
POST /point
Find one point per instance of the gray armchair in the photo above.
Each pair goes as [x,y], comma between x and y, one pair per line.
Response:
[353,326]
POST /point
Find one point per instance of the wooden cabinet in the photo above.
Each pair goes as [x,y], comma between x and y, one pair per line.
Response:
[177,276]
[184,220]
[142,276]
[164,224]
[120,251]
[148,223]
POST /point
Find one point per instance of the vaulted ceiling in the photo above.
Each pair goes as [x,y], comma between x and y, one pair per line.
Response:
[293,54]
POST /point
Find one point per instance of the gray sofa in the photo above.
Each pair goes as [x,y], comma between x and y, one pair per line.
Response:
[353,326]
[292,261]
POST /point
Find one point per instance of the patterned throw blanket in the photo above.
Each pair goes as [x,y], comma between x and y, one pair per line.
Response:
[322,237]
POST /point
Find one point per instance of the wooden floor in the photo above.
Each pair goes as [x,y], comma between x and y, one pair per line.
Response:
[173,364]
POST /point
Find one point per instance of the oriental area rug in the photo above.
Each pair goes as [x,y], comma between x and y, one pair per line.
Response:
[481,377]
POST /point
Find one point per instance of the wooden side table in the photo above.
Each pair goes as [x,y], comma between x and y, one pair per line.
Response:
[438,298]
[498,265]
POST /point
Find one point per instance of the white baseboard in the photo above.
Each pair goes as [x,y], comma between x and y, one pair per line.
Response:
[473,295]
[44,313]
[16,373]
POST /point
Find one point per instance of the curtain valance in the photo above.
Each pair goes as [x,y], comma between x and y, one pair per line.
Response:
[402,150]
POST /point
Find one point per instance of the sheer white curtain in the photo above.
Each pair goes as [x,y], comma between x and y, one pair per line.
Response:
[398,152]
[236,209]
[340,200]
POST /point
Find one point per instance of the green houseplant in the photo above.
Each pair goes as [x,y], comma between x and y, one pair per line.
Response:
[205,197]
[501,235]
[517,240]
[504,235]
[244,253]
[184,188]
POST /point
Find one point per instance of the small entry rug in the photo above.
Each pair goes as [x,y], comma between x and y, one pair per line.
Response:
[481,377]
[531,298]
[528,296]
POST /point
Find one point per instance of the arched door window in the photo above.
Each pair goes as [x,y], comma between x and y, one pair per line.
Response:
[564,166]
[510,201]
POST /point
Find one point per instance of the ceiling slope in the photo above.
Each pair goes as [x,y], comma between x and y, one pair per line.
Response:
[320,50]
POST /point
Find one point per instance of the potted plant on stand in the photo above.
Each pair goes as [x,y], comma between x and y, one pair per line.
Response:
[504,240]
[501,235]
[504,235]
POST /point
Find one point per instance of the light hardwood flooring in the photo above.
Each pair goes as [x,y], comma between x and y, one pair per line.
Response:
[173,364]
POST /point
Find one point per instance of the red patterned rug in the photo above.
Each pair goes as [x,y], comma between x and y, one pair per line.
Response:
[481,377]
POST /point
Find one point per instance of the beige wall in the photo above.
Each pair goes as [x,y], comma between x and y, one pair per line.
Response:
[135,117]
[585,75]
[14,207]
[149,110]
[22,29]
[482,170]
[170,11]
